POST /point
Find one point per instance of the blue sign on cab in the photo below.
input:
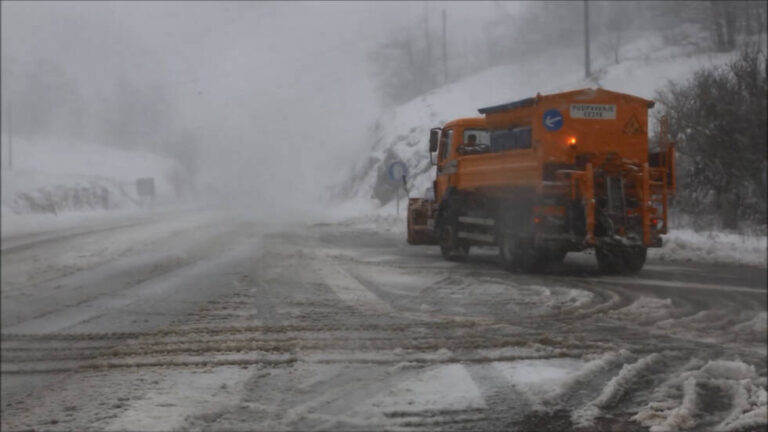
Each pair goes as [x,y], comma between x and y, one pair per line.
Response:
[552,120]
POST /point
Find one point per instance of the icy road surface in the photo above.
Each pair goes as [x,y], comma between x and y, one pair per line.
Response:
[211,322]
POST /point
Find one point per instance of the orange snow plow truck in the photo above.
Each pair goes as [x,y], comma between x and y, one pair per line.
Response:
[548,175]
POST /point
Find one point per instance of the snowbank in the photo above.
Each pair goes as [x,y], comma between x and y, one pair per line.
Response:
[50,177]
[713,247]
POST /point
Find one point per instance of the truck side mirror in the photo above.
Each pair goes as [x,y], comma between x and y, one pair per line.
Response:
[434,134]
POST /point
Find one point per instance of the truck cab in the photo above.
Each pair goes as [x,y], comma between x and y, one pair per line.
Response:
[452,136]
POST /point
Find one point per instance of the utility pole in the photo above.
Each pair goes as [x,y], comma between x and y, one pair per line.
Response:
[429,44]
[10,138]
[445,53]
[586,38]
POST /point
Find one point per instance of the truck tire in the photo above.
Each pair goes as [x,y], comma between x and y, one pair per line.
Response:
[608,260]
[621,259]
[451,247]
[520,256]
[634,259]
[557,256]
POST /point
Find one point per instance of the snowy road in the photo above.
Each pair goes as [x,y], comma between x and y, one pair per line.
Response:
[207,322]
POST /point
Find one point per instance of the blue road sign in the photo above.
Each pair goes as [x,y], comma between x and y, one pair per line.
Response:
[397,170]
[552,120]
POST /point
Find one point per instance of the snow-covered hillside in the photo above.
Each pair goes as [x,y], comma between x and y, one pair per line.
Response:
[60,177]
[646,65]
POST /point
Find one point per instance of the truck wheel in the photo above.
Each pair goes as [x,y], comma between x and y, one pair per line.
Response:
[532,261]
[609,259]
[621,259]
[450,246]
[557,256]
[634,259]
[518,256]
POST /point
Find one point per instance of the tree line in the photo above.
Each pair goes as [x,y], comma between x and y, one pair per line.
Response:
[410,62]
[718,119]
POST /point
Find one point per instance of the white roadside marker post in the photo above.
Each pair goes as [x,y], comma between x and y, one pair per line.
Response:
[397,198]
[405,188]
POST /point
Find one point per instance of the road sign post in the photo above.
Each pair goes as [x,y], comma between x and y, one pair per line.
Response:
[10,140]
[397,198]
[398,172]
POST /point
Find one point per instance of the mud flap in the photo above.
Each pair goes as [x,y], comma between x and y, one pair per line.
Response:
[420,212]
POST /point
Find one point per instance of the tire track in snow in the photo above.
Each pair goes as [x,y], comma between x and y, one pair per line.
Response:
[24,242]
[614,390]
[352,292]
[679,403]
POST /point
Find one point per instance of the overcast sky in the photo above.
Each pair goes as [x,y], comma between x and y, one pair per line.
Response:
[274,92]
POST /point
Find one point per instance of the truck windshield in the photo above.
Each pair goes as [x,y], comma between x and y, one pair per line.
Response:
[483,136]
[510,139]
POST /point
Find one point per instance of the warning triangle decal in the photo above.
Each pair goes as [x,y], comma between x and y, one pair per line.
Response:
[633,127]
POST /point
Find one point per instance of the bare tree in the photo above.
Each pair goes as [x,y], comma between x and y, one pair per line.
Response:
[725,21]
[618,18]
[718,119]
[402,68]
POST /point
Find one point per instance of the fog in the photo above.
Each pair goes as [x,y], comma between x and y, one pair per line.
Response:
[267,104]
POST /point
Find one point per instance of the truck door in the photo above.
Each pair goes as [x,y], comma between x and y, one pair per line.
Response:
[446,163]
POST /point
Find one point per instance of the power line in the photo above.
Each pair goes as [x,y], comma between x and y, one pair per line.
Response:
[10,139]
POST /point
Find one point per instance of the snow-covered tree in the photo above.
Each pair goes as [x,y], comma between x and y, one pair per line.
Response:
[719,121]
